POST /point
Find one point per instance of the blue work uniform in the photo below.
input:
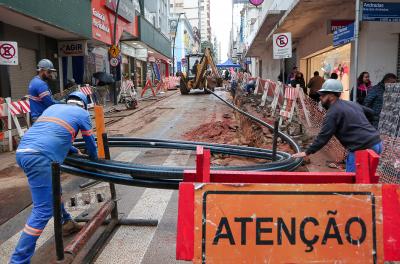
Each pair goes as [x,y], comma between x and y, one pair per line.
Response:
[39,97]
[49,139]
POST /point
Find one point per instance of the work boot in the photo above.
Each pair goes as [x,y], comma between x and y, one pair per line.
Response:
[70,227]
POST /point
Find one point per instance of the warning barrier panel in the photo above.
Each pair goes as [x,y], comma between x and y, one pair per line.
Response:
[287,223]
[240,217]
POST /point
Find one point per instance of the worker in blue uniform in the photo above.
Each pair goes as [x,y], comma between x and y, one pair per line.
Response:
[39,93]
[50,139]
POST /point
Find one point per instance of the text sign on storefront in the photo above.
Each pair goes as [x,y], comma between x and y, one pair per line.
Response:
[343,35]
[334,25]
[72,48]
[8,53]
[282,45]
[382,12]
[288,223]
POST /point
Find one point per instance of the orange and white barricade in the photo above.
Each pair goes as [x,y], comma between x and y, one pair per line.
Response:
[290,101]
[13,110]
[88,91]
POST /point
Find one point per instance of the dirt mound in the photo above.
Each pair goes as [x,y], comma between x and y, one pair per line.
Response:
[222,132]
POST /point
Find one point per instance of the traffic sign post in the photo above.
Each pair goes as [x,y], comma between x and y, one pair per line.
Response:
[282,47]
[8,53]
[114,62]
[114,51]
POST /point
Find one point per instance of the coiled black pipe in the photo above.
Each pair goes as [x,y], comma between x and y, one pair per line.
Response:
[169,177]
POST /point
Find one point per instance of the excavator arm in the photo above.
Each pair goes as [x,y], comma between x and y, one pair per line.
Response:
[202,67]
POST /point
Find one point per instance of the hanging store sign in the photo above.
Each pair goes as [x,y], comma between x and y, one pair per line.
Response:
[125,8]
[381,12]
[72,48]
[334,25]
[282,45]
[343,35]
[279,223]
[8,53]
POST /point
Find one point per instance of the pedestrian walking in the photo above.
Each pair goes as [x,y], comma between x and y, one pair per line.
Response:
[50,139]
[347,122]
[299,80]
[40,96]
[374,98]
[315,85]
[291,76]
[363,87]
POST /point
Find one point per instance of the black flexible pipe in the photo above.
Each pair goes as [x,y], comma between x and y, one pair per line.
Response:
[169,177]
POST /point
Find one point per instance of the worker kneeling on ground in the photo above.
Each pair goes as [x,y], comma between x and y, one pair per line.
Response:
[50,139]
[345,120]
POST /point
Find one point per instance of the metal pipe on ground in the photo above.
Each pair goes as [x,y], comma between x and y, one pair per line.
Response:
[89,229]
[124,221]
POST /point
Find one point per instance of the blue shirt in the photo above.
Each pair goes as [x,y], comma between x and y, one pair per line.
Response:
[54,132]
[39,96]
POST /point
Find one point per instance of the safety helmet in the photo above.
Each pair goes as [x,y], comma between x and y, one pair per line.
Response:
[45,64]
[331,85]
[78,98]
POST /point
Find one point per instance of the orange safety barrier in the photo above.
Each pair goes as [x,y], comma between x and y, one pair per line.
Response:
[287,217]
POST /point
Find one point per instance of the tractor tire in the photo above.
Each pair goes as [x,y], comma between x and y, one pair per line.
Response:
[183,88]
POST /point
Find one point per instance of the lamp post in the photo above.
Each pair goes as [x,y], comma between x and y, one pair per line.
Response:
[173,44]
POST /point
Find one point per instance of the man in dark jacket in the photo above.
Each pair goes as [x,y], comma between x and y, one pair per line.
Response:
[347,122]
[315,84]
[374,98]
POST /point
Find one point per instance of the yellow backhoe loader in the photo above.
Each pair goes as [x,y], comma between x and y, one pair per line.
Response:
[201,73]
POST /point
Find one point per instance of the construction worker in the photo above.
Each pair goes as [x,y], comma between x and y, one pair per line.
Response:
[39,93]
[50,139]
[346,121]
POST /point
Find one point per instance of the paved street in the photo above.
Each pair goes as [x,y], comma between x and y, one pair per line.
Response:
[169,118]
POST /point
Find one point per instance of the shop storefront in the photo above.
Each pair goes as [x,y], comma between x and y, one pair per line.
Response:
[337,61]
[103,33]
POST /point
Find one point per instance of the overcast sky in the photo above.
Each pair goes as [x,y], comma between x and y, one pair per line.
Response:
[221,21]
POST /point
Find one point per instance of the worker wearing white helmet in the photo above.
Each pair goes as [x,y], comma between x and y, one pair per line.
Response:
[346,121]
[40,96]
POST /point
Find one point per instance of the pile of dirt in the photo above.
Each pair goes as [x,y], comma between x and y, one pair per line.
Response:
[223,132]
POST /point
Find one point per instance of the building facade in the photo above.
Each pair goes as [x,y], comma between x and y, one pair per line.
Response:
[76,36]
[38,27]
[312,41]
[197,13]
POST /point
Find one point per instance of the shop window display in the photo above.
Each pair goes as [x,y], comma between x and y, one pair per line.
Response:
[333,61]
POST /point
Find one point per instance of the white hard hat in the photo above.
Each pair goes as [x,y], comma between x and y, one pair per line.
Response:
[46,64]
[331,85]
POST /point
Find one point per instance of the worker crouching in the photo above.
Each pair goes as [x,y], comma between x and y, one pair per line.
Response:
[347,121]
[50,140]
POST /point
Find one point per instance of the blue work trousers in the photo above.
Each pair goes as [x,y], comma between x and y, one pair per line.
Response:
[351,157]
[38,170]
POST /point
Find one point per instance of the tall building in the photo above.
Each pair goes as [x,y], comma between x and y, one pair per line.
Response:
[197,13]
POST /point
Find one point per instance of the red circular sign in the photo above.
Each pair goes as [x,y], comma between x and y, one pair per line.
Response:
[7,51]
[282,41]
[256,2]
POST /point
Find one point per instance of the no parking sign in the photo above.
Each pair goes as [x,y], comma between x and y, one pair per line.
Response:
[8,53]
[282,45]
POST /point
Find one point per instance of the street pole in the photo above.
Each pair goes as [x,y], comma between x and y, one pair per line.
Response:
[356,40]
[173,45]
[114,69]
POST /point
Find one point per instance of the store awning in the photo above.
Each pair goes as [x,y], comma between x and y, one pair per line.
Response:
[308,14]
[258,42]
[19,20]
[228,64]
